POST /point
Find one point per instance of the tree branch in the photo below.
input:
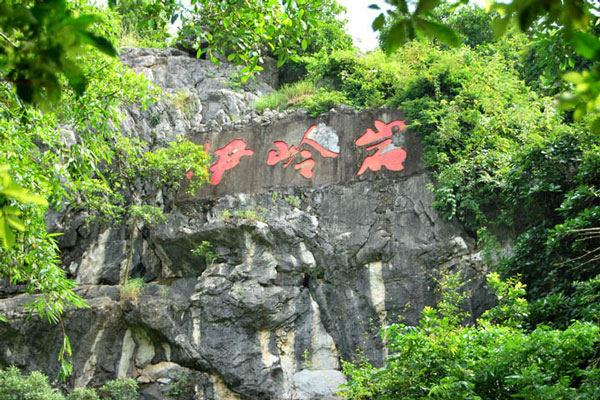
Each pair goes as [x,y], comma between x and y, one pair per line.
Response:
[3,36]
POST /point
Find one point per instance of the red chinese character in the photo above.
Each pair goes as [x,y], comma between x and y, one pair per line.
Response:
[392,158]
[285,152]
[229,157]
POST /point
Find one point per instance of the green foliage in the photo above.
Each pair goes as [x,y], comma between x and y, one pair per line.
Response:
[287,96]
[205,250]
[40,42]
[322,101]
[292,200]
[10,192]
[255,214]
[248,30]
[225,215]
[442,358]
[121,389]
[182,387]
[307,359]
[15,386]
[182,101]
[273,101]
[574,23]
[501,156]
[67,153]
[145,23]
[547,58]
[131,290]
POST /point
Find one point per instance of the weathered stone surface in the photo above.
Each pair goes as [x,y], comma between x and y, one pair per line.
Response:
[317,384]
[306,270]
[198,93]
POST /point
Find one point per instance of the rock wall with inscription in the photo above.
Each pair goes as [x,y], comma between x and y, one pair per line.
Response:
[321,231]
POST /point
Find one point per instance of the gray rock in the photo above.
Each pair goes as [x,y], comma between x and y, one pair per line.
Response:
[310,385]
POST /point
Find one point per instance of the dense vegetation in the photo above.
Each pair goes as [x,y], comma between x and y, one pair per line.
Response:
[16,386]
[512,167]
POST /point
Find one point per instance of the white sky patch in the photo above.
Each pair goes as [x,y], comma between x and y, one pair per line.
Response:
[360,17]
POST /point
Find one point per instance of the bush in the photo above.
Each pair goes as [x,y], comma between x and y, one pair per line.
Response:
[323,101]
[121,389]
[443,359]
[132,289]
[15,386]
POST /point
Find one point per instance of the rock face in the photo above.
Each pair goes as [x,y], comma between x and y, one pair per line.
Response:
[302,271]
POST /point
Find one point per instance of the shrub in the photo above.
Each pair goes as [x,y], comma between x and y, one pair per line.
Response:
[15,386]
[121,389]
[323,101]
[131,290]
[206,250]
[443,359]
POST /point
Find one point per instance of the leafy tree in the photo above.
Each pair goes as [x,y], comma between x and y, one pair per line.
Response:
[147,20]
[40,42]
[472,24]
[247,31]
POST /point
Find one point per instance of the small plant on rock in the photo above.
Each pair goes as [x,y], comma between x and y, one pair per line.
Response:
[292,201]
[182,387]
[182,100]
[225,215]
[206,250]
[307,359]
[131,290]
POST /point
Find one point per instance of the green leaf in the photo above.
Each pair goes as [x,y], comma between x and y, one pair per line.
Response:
[6,234]
[304,44]
[76,78]
[595,125]
[426,6]
[21,194]
[378,22]
[231,57]
[573,77]
[443,33]
[396,37]
[15,223]
[499,26]
[280,60]
[586,45]
[374,7]
[99,42]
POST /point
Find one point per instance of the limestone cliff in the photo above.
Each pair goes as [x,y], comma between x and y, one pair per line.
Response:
[322,230]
